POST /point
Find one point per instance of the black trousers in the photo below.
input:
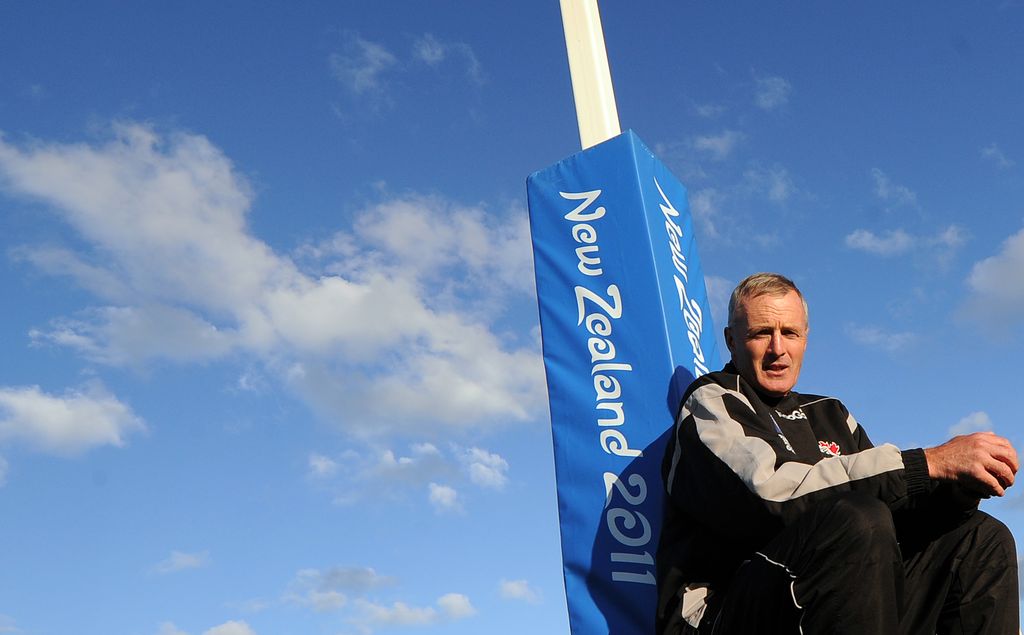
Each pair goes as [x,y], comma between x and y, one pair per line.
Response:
[849,566]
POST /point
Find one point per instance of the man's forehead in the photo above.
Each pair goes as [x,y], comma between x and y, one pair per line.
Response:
[770,308]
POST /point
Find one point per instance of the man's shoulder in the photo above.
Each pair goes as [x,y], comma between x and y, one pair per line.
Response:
[727,378]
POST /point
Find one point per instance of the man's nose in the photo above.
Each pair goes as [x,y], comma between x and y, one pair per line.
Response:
[775,344]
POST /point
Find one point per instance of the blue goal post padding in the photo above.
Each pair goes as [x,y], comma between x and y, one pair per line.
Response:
[626,326]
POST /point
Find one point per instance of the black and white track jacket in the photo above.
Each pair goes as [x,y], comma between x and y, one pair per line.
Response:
[741,466]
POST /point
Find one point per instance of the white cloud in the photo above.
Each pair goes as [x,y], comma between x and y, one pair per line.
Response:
[7,624]
[486,469]
[773,182]
[974,422]
[997,287]
[416,282]
[443,498]
[878,338]
[68,424]
[893,242]
[519,590]
[428,49]
[893,194]
[361,66]
[231,628]
[4,467]
[379,473]
[398,614]
[179,561]
[451,606]
[772,92]
[992,153]
[433,52]
[456,606]
[709,111]
[943,244]
[705,207]
[952,237]
[325,590]
[168,628]
[321,466]
[719,146]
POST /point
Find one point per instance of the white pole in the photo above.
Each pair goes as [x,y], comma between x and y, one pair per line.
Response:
[596,115]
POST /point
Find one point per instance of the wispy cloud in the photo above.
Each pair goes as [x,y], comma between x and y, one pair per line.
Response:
[709,111]
[231,628]
[896,242]
[893,194]
[66,424]
[992,153]
[772,92]
[996,287]
[444,498]
[879,338]
[449,607]
[321,466]
[384,473]
[433,52]
[974,422]
[893,242]
[719,146]
[486,469]
[362,65]
[328,590]
[180,561]
[519,590]
[772,182]
[179,276]
[227,628]
[705,206]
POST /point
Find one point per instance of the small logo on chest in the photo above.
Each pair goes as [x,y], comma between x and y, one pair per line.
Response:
[829,448]
[793,416]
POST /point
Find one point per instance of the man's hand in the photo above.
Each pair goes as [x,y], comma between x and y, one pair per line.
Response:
[982,463]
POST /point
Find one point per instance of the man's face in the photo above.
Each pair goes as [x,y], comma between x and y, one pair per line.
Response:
[767,341]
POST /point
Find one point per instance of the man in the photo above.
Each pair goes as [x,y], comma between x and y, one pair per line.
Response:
[782,517]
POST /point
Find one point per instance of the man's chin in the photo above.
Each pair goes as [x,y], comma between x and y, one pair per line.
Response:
[775,387]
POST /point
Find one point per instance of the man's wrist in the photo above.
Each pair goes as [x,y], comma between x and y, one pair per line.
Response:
[915,469]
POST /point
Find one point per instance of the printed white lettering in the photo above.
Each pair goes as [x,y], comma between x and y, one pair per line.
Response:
[584,233]
[693,315]
[645,559]
[618,418]
[597,313]
[614,309]
[607,387]
[629,521]
[614,442]
[612,480]
[589,265]
[600,349]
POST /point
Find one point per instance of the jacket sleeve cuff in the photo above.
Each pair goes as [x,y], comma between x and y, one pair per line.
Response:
[915,471]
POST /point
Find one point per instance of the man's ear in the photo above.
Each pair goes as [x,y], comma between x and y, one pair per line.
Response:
[727,332]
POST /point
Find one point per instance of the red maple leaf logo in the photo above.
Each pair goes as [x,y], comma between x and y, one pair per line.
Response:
[829,448]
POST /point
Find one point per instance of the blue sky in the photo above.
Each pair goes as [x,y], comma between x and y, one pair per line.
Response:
[269,322]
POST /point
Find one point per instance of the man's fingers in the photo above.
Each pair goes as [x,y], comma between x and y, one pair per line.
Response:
[988,483]
[1001,471]
[1001,449]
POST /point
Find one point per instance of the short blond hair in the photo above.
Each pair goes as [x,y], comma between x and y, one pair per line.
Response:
[763,283]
